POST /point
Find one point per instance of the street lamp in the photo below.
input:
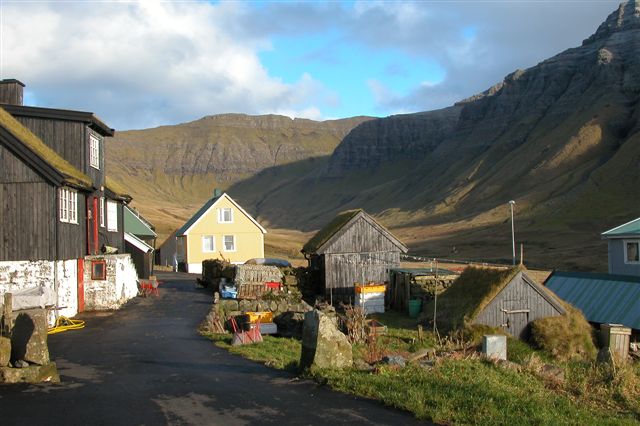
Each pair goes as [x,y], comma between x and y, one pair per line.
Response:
[513,237]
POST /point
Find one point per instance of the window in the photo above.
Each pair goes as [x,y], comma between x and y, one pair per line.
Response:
[112,216]
[102,212]
[208,243]
[225,215]
[229,243]
[632,252]
[68,205]
[94,151]
[98,270]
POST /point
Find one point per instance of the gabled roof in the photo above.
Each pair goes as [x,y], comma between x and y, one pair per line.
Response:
[116,190]
[60,114]
[135,224]
[137,243]
[627,230]
[602,298]
[30,149]
[342,221]
[209,205]
[474,290]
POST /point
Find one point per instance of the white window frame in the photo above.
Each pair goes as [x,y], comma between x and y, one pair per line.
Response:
[102,212]
[624,248]
[68,207]
[94,151]
[205,239]
[112,216]
[221,212]
[224,243]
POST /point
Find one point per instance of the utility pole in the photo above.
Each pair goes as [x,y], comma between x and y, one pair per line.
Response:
[513,237]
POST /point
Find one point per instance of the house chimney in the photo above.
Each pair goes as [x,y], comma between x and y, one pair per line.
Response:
[217,193]
[11,91]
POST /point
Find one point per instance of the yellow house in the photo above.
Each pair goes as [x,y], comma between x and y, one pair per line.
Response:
[221,228]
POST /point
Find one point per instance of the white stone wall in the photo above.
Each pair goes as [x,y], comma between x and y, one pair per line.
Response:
[23,275]
[120,286]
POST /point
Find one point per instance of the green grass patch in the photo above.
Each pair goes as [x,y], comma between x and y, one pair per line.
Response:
[471,391]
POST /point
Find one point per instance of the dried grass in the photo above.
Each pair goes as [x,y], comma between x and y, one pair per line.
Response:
[565,337]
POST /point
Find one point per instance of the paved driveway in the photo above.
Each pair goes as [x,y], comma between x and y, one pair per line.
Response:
[145,364]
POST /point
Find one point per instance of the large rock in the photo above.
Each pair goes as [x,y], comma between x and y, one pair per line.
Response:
[31,374]
[5,351]
[323,345]
[29,337]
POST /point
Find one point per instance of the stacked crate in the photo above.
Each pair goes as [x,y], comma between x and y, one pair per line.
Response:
[370,297]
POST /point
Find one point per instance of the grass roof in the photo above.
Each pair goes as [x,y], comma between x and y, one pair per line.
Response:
[323,235]
[468,296]
[116,187]
[71,174]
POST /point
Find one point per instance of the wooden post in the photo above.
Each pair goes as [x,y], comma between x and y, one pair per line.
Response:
[7,314]
[420,336]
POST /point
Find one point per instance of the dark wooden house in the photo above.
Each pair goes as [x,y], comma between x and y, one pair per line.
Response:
[352,248]
[56,200]
[501,298]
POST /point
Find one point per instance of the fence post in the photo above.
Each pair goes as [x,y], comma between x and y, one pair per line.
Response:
[7,314]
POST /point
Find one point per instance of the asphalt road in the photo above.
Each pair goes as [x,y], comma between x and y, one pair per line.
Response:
[146,365]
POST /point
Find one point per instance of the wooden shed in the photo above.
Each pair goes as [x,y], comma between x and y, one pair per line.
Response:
[501,298]
[352,248]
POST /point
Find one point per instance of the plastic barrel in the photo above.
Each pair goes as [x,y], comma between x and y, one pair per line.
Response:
[415,306]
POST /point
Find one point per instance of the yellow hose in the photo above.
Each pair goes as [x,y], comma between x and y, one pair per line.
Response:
[64,324]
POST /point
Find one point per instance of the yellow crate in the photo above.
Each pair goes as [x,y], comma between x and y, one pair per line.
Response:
[375,288]
[264,317]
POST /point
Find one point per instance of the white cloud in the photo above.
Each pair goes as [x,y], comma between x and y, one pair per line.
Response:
[145,63]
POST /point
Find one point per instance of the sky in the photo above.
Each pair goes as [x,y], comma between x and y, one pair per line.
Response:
[141,64]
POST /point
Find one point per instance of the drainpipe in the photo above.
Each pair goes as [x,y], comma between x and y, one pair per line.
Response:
[56,222]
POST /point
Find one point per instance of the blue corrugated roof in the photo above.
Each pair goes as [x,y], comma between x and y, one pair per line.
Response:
[629,229]
[602,298]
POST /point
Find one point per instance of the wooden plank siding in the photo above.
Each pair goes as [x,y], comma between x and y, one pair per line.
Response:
[342,270]
[360,237]
[517,296]
[27,231]
[67,138]
[113,239]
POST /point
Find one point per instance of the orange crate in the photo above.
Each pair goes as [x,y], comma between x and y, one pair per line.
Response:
[371,288]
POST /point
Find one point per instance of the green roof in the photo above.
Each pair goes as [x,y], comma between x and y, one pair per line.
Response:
[323,235]
[136,225]
[71,174]
[629,229]
[197,215]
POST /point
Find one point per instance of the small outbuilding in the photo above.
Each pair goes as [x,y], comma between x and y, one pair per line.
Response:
[352,248]
[501,298]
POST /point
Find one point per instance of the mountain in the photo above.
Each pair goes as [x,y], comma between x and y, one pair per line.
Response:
[172,170]
[560,138]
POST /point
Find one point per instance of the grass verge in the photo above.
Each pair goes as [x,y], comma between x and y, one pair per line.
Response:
[470,390]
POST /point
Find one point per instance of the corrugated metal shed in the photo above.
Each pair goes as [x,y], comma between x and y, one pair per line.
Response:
[602,298]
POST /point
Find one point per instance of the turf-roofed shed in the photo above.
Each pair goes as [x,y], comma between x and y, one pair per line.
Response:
[501,298]
[352,248]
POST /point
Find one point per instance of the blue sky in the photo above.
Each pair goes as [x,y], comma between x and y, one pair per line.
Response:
[141,64]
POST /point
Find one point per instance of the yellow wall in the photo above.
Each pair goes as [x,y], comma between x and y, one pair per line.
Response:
[249,240]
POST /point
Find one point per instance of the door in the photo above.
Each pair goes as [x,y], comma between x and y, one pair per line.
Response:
[516,318]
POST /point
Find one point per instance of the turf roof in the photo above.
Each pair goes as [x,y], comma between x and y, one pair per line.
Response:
[117,188]
[323,235]
[71,174]
[469,295]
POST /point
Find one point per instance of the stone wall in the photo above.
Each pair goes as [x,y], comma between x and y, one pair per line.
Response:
[120,285]
[23,275]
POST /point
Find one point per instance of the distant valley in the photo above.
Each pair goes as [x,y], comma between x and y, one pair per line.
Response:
[561,138]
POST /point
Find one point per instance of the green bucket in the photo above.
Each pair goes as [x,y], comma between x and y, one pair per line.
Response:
[415,306]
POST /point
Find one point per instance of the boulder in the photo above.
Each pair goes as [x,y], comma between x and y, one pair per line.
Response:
[397,360]
[30,374]
[29,337]
[323,345]
[5,351]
